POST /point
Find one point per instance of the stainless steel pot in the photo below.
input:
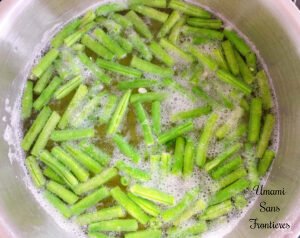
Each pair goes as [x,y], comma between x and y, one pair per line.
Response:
[272,26]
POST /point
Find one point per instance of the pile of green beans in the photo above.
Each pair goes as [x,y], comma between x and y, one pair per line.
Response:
[137,56]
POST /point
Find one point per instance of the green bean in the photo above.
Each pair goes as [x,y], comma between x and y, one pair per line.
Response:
[154,162]
[124,225]
[232,177]
[96,181]
[81,174]
[104,214]
[108,8]
[203,95]
[165,163]
[134,173]
[139,25]
[77,35]
[199,40]
[62,69]
[200,111]
[35,171]
[152,194]
[58,168]
[109,43]
[237,41]
[151,68]
[44,136]
[67,88]
[46,94]
[251,165]
[213,212]
[244,70]
[233,81]
[269,122]
[137,83]
[238,132]
[198,71]
[78,47]
[205,138]
[169,23]
[175,132]
[27,99]
[84,59]
[189,231]
[220,59]
[251,62]
[150,12]
[108,108]
[178,156]
[226,167]
[265,162]
[90,200]
[204,59]
[156,117]
[147,206]
[83,158]
[230,57]
[188,9]
[94,152]
[255,120]
[147,97]
[126,148]
[96,47]
[145,234]
[110,26]
[63,193]
[230,191]
[124,181]
[154,3]
[264,89]
[45,62]
[176,30]
[140,46]
[124,201]
[121,20]
[205,23]
[42,82]
[188,158]
[74,103]
[67,30]
[244,104]
[49,173]
[161,54]
[72,134]
[124,43]
[88,17]
[58,204]
[202,32]
[240,201]
[97,235]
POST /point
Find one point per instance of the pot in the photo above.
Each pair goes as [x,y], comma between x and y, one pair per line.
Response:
[272,26]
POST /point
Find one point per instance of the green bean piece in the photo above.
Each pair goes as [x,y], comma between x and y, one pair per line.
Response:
[63,193]
[84,59]
[94,152]
[45,62]
[151,68]
[255,120]
[265,162]
[202,32]
[96,181]
[88,17]
[200,111]
[137,83]
[178,156]
[121,20]
[139,25]
[110,26]
[147,97]
[240,201]
[169,23]
[230,57]
[233,81]
[83,158]
[72,134]
[203,95]
[165,163]
[35,171]
[205,138]
[174,212]
[188,158]
[264,90]
[222,156]
[145,234]
[46,94]
[90,200]
[229,191]
[43,81]
[44,136]
[237,41]
[251,165]
[124,181]
[124,201]
[74,103]
[154,3]
[109,43]
[27,99]
[156,117]
[144,123]
[269,123]
[199,40]
[176,30]
[132,172]
[238,132]
[58,204]
[232,177]
[67,88]
[215,211]
[81,174]
[251,62]
[50,174]
[205,23]
[152,194]
[175,132]
[204,59]
[120,225]
[154,162]
[225,168]
[150,12]
[189,231]
[124,43]
[78,47]
[147,206]
[108,108]
[58,168]
[220,58]
[97,235]
[188,9]
[198,71]
[77,35]
[96,47]
[161,54]
[244,104]
[179,53]
[140,46]
[126,148]
[62,69]
[108,8]
[244,70]
[104,214]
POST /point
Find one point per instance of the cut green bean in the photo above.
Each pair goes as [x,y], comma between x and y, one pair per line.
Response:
[134,173]
[265,162]
[90,201]
[35,171]
[264,89]
[220,58]
[176,30]
[147,97]
[44,136]
[121,20]
[204,96]
[198,71]
[104,214]
[110,26]
[225,168]
[63,193]
[255,120]
[200,111]
[140,46]
[156,117]
[202,32]
[43,81]
[244,70]
[78,47]
[189,9]
[50,174]
[205,138]
[27,99]
[222,156]
[72,134]
[147,206]
[124,181]
[178,156]
[119,113]
[240,201]
[124,201]
[88,17]
[204,59]
[124,225]
[230,57]
[124,43]
[165,163]
[169,23]
[269,123]
[94,152]
[145,234]
[237,41]
[108,108]
[153,3]
[251,62]
[58,204]
[154,162]
[108,8]
[205,23]
[77,35]
[161,54]
[150,12]
[188,158]
[251,165]
[96,181]
[96,47]
[67,88]
[213,212]
[232,177]
[188,231]
[45,63]
[139,25]
[46,94]
[152,194]
[67,30]
[175,132]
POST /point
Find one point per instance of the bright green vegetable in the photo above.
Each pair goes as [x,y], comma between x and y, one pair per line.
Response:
[251,62]
[230,57]
[175,132]
[188,158]
[176,30]
[139,25]
[94,152]
[58,204]
[150,12]
[200,111]
[265,162]
[203,33]
[244,69]
[115,225]
[108,8]
[165,163]
[126,148]
[237,41]
[212,212]
[137,83]
[96,47]
[147,206]
[27,99]
[108,109]
[147,97]
[49,173]
[67,30]
[140,46]
[72,134]
[161,54]
[225,168]
[204,23]
[43,81]
[45,63]
[240,201]
[232,177]
[35,171]
[63,193]
[134,173]
[188,9]
[220,58]
[67,88]
[168,24]
[189,231]
[178,156]
[264,89]
[121,20]
[156,117]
